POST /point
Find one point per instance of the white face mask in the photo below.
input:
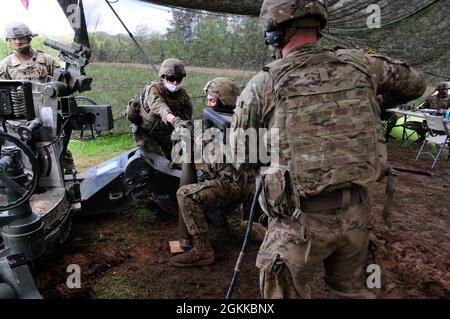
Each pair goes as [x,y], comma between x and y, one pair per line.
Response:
[172,87]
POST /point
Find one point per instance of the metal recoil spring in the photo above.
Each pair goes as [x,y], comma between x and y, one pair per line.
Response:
[18,99]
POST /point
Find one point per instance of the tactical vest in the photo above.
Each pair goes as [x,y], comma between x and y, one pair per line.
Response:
[328,119]
[140,104]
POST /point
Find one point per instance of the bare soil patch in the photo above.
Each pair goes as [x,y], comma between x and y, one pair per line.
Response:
[122,256]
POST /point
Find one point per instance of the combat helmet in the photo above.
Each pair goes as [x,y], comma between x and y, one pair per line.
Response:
[17,30]
[172,67]
[278,14]
[224,89]
[443,86]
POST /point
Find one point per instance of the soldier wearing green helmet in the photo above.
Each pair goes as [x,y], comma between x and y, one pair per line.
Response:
[159,108]
[440,101]
[221,94]
[25,63]
[225,189]
[323,105]
[31,65]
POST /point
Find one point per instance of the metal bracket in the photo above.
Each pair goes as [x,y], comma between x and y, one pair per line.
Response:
[16,260]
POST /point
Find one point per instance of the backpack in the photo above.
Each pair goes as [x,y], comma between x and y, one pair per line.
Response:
[328,119]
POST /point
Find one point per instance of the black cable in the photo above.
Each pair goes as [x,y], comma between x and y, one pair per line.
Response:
[237,268]
[59,135]
[144,54]
[119,118]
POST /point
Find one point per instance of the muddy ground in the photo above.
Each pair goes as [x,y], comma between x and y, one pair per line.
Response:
[127,256]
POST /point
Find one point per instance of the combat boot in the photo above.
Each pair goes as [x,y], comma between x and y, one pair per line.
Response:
[186,244]
[202,254]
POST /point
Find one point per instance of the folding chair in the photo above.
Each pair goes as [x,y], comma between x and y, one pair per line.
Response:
[436,125]
[416,127]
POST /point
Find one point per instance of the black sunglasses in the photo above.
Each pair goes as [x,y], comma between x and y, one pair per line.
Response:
[174,78]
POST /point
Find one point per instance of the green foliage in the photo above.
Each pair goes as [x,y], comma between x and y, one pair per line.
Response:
[37,43]
[107,144]
[117,85]
[197,38]
[144,213]
[114,286]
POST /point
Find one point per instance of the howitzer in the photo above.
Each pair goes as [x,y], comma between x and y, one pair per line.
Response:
[76,58]
[217,119]
[37,200]
[73,79]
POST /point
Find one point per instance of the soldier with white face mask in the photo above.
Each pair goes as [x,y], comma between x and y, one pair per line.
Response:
[159,108]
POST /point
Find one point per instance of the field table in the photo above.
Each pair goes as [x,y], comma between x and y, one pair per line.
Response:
[407,114]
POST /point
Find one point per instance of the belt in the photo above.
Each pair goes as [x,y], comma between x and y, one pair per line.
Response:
[343,198]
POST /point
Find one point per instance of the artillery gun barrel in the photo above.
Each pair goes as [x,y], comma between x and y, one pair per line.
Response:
[60,47]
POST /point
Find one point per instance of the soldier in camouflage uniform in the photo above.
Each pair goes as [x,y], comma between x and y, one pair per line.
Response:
[440,101]
[226,190]
[27,64]
[161,106]
[325,104]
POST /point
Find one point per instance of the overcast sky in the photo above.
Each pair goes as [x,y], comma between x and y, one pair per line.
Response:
[46,16]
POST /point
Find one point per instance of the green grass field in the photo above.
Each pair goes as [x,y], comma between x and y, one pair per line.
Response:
[116,86]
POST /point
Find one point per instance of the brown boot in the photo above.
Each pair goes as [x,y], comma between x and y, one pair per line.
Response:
[186,244]
[201,255]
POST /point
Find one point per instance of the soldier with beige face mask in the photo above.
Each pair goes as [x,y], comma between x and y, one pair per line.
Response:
[31,65]
[25,63]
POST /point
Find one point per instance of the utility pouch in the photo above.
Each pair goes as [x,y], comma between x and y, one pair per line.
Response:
[275,199]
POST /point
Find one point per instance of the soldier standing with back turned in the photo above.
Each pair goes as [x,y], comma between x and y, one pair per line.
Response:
[324,104]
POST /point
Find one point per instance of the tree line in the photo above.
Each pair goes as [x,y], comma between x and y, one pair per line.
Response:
[197,38]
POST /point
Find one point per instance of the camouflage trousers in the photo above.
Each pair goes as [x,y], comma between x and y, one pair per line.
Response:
[157,143]
[68,162]
[224,194]
[161,146]
[335,241]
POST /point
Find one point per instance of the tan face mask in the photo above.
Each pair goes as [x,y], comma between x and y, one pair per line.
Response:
[21,48]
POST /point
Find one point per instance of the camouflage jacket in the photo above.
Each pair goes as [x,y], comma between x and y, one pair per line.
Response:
[214,157]
[437,102]
[39,68]
[393,80]
[157,103]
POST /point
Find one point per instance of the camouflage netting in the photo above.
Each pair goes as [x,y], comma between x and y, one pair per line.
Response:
[415,30]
